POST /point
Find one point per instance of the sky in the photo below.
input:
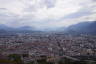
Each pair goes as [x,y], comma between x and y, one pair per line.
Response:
[46,14]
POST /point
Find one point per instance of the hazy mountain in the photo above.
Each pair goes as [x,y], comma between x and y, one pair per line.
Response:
[25,28]
[80,28]
[4,27]
[84,27]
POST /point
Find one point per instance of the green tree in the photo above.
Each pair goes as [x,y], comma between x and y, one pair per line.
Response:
[16,58]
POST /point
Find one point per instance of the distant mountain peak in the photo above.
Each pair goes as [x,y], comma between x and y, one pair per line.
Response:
[83,27]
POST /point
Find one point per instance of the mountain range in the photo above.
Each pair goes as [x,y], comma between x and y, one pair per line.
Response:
[80,28]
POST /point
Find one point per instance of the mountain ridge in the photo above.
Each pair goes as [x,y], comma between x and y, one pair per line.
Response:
[80,28]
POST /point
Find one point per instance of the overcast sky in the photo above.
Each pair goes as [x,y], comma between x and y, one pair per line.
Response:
[46,13]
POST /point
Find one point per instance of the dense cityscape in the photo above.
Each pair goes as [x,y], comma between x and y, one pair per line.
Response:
[53,47]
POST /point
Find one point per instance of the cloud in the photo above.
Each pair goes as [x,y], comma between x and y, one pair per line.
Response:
[46,13]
